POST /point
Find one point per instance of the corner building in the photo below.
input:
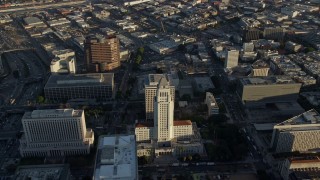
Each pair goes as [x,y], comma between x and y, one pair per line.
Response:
[102,53]
[58,132]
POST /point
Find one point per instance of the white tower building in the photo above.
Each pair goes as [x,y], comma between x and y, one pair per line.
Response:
[151,91]
[164,112]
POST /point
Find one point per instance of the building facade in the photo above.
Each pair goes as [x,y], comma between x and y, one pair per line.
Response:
[81,86]
[260,68]
[150,92]
[261,90]
[212,105]
[64,62]
[251,34]
[274,33]
[300,133]
[232,58]
[58,132]
[102,53]
[296,167]
[163,112]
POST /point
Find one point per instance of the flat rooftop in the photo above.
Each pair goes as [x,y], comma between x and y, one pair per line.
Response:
[267,80]
[74,80]
[32,20]
[203,83]
[52,113]
[154,79]
[116,158]
[309,117]
[259,64]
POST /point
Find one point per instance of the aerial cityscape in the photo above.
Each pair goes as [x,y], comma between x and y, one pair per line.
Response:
[159,89]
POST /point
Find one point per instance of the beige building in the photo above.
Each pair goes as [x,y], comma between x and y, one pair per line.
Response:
[64,62]
[150,92]
[261,90]
[232,58]
[260,68]
[102,53]
[181,130]
[57,132]
[300,133]
[212,105]
[294,168]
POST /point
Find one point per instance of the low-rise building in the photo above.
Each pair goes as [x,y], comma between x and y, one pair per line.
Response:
[164,47]
[99,86]
[300,168]
[116,158]
[300,133]
[64,61]
[260,68]
[261,90]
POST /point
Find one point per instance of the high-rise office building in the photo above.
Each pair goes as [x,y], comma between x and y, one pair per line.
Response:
[102,53]
[150,92]
[57,132]
[98,86]
[232,58]
[251,34]
[300,133]
[163,112]
[274,33]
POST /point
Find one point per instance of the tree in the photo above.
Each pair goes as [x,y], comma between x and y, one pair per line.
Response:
[189,158]
[119,95]
[309,49]
[181,47]
[40,99]
[184,158]
[141,50]
[138,59]
[196,157]
[185,97]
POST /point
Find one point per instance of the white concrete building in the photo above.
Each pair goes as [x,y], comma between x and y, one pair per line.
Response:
[116,158]
[57,132]
[212,105]
[164,135]
[300,133]
[164,47]
[232,58]
[64,61]
[151,86]
[163,112]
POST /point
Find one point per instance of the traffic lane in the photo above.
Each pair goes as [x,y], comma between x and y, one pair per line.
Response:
[227,168]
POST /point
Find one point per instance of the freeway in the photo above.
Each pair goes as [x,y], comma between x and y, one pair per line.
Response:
[43,6]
